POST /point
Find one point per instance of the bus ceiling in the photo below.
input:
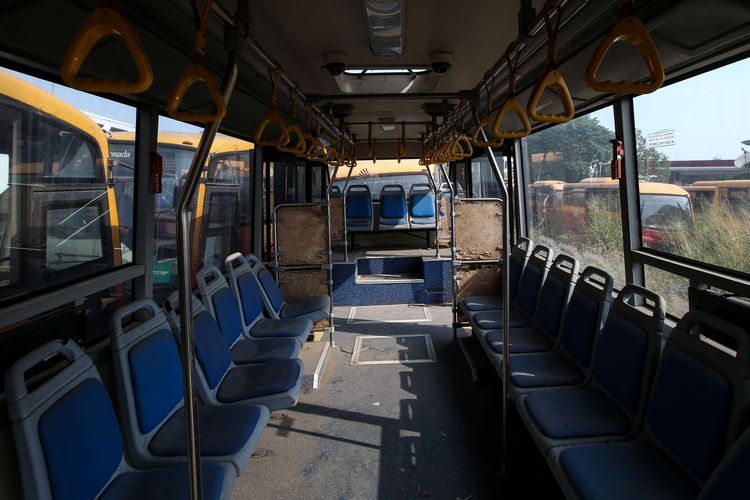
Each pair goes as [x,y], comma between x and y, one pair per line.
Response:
[367,85]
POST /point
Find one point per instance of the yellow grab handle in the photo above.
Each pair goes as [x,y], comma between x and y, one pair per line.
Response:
[401,150]
[316,151]
[275,118]
[461,146]
[487,120]
[195,73]
[104,22]
[299,148]
[333,157]
[631,30]
[511,105]
[553,80]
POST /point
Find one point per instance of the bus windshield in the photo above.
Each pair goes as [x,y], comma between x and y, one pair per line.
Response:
[665,211]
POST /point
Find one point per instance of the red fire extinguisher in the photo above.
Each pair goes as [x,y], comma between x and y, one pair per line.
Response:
[618,151]
[156,172]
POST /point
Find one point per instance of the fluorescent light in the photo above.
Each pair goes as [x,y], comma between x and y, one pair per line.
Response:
[388,128]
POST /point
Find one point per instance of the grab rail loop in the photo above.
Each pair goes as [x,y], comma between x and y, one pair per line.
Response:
[402,143]
[273,117]
[553,78]
[487,120]
[195,73]
[372,151]
[299,149]
[103,22]
[511,104]
[628,29]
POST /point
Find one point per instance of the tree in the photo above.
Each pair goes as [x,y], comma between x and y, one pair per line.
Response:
[653,165]
[579,142]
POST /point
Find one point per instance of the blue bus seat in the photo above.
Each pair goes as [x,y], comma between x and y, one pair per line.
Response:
[541,334]
[148,370]
[69,442]
[612,405]
[518,258]
[246,290]
[314,308]
[274,384]
[570,364]
[529,286]
[421,206]
[358,203]
[394,213]
[222,304]
[697,410]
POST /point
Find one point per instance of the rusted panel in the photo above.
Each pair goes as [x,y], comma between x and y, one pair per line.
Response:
[478,230]
[444,235]
[302,236]
[481,280]
[299,284]
[337,219]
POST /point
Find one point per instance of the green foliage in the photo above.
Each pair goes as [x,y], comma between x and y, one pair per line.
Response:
[580,142]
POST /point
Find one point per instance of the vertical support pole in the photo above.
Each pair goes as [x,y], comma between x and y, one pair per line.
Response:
[185,282]
[346,233]
[330,251]
[436,193]
[147,126]
[506,292]
[257,197]
[522,170]
[629,205]
[268,222]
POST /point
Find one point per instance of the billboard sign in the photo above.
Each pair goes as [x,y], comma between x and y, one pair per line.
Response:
[661,138]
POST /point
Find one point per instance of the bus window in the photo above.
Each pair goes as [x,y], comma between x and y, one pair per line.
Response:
[738,200]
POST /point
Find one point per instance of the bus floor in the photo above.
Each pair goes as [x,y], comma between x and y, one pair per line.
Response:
[386,431]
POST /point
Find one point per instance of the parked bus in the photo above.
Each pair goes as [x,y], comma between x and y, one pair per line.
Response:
[58,216]
[735,194]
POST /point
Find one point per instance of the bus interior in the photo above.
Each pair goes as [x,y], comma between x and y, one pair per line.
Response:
[374,249]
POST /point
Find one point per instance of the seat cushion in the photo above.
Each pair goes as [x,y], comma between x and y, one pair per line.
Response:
[255,381]
[313,308]
[289,327]
[493,320]
[528,339]
[483,303]
[576,413]
[625,471]
[544,369]
[223,430]
[260,350]
[170,482]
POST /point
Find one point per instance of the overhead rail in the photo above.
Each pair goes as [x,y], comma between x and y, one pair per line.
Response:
[511,104]
[628,29]
[105,21]
[195,73]
[553,79]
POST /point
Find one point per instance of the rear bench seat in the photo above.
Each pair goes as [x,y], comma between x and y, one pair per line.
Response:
[148,370]
[394,213]
[697,410]
[358,203]
[69,442]
[611,406]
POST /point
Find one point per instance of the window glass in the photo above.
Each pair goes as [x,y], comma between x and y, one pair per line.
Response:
[575,207]
[59,219]
[694,167]
[673,288]
[483,182]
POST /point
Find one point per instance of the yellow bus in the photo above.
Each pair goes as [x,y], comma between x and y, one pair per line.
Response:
[545,198]
[662,206]
[58,216]
[735,194]
[223,194]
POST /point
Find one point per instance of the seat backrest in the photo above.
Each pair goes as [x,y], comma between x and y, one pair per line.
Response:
[392,202]
[211,352]
[532,278]
[148,371]
[358,202]
[421,201]
[246,289]
[699,402]
[519,256]
[67,437]
[273,300]
[729,480]
[588,307]
[221,302]
[628,347]
[554,294]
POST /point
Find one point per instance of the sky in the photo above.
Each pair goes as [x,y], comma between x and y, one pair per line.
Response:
[710,113]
